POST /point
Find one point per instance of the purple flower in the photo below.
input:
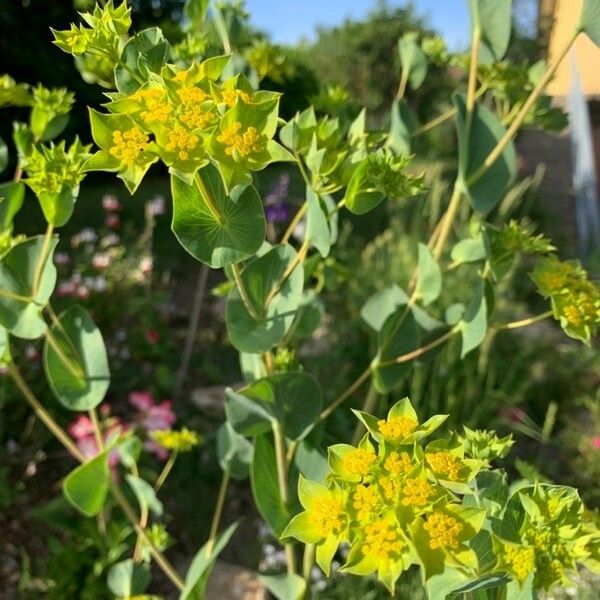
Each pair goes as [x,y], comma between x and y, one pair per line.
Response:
[276,213]
[276,210]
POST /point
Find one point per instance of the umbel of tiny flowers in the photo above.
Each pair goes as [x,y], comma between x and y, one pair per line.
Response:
[395,503]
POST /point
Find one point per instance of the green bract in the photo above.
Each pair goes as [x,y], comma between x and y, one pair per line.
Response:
[54,174]
[50,112]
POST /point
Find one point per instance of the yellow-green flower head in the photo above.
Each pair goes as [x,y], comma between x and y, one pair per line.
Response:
[156,107]
[359,462]
[398,463]
[416,492]
[58,101]
[397,429]
[443,531]
[327,515]
[366,501]
[445,465]
[383,540]
[177,441]
[520,560]
[182,142]
[241,143]
[128,145]
[12,93]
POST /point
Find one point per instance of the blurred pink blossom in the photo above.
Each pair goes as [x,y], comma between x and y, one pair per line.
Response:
[61,259]
[513,414]
[82,431]
[152,336]
[101,260]
[112,221]
[111,203]
[146,265]
[596,442]
[152,417]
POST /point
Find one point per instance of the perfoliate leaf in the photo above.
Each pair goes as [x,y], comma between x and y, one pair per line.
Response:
[127,578]
[234,452]
[214,227]
[403,122]
[145,494]
[76,363]
[429,277]
[413,60]
[86,487]
[287,586]
[474,146]
[473,326]
[20,311]
[269,324]
[494,19]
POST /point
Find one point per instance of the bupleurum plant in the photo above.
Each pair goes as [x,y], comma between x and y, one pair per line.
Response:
[402,495]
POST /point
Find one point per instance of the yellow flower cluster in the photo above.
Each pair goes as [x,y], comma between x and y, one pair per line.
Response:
[158,109]
[182,142]
[444,463]
[359,462]
[443,531]
[244,143]
[398,463]
[382,539]
[230,97]
[128,145]
[366,501]
[327,515]
[520,560]
[396,429]
[416,492]
[178,441]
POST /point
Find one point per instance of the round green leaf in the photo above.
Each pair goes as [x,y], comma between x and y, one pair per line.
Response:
[234,452]
[473,326]
[260,334]
[590,20]
[494,20]
[413,60]
[3,155]
[429,276]
[20,312]
[12,195]
[468,251]
[361,195]
[214,228]
[127,578]
[86,487]
[79,375]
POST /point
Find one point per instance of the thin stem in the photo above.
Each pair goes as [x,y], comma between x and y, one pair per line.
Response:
[495,154]
[368,407]
[39,268]
[342,397]
[97,430]
[420,351]
[447,222]
[402,87]
[237,275]
[308,562]
[43,415]
[166,567]
[298,259]
[165,472]
[294,223]
[472,82]
[192,331]
[144,514]
[526,322]
[216,520]
[282,479]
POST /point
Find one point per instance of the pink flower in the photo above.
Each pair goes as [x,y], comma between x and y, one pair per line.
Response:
[83,293]
[81,427]
[146,265]
[112,221]
[513,414]
[156,449]
[111,203]
[141,400]
[160,416]
[101,260]
[596,442]
[152,336]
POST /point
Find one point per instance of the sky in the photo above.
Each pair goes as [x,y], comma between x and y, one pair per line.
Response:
[288,21]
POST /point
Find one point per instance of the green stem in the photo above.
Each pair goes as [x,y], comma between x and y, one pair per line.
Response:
[294,223]
[237,275]
[210,203]
[420,351]
[495,154]
[308,562]
[12,296]
[39,268]
[402,87]
[43,414]
[97,430]
[158,556]
[75,369]
[165,472]
[447,222]
[526,322]
[216,520]
[282,479]
[345,395]
[298,259]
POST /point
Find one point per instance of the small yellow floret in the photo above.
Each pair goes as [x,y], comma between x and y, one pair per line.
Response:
[398,463]
[230,96]
[326,514]
[179,441]
[443,531]
[244,143]
[128,145]
[194,95]
[382,539]
[359,461]
[416,492]
[521,560]
[182,141]
[158,109]
[444,463]
[396,429]
[366,501]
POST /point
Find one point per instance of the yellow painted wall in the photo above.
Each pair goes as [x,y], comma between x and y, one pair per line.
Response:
[586,54]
